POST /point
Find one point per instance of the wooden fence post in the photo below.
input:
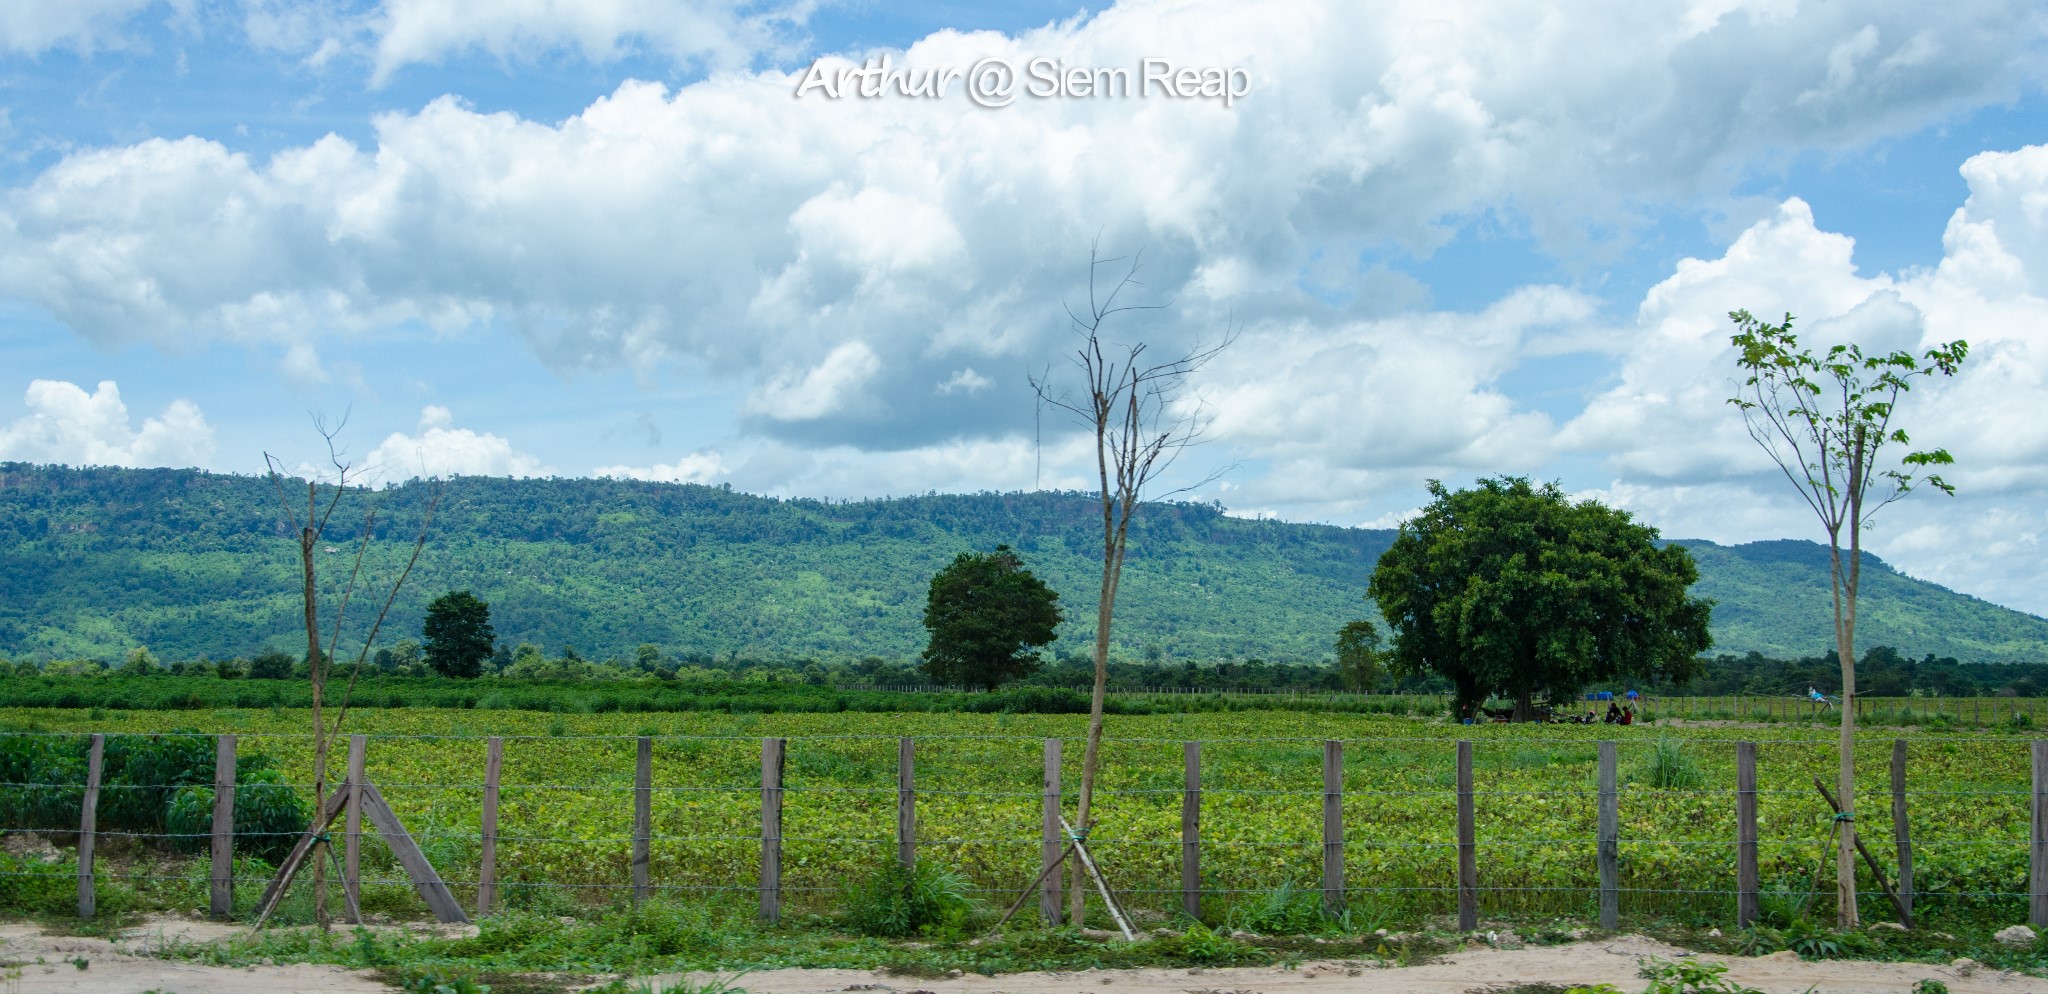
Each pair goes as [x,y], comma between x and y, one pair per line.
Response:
[643,816]
[1333,827]
[771,828]
[1191,830]
[1051,845]
[2037,872]
[1610,840]
[906,803]
[352,839]
[221,896]
[1745,834]
[1902,833]
[1468,849]
[487,863]
[88,820]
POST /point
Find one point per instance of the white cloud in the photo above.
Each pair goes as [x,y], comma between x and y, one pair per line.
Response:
[34,26]
[1346,413]
[438,448]
[965,380]
[1681,451]
[697,467]
[808,394]
[67,425]
[730,224]
[717,33]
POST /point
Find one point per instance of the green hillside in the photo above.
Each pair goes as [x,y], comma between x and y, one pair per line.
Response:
[96,561]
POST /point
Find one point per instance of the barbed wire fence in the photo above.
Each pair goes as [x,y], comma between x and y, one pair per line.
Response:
[1371,832]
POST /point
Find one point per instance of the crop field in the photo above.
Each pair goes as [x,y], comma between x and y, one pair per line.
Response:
[567,806]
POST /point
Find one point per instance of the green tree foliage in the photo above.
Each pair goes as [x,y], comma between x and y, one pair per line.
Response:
[987,616]
[457,634]
[1511,589]
[270,664]
[1826,420]
[96,561]
[1358,657]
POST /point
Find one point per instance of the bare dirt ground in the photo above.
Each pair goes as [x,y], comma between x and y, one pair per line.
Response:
[126,966]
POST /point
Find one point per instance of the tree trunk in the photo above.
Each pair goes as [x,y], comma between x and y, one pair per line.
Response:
[1525,705]
[1105,607]
[1845,650]
[316,674]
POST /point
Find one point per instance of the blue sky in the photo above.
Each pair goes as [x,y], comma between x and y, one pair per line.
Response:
[544,237]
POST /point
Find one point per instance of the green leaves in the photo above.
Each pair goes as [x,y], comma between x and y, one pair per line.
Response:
[987,615]
[1511,589]
[458,634]
[1825,420]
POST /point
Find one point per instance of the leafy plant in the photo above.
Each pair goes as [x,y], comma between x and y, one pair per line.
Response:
[1284,910]
[893,903]
[438,980]
[1199,944]
[1811,941]
[1929,985]
[1690,976]
[1667,767]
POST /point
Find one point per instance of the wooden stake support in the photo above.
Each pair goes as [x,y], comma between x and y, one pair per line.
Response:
[1905,913]
[424,880]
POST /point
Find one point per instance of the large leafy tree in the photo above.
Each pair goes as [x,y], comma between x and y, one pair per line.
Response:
[987,616]
[1826,420]
[458,634]
[1511,589]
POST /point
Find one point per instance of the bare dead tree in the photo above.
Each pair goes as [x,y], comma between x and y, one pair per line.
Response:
[1142,424]
[310,527]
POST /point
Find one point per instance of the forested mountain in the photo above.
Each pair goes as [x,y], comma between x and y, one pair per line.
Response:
[94,562]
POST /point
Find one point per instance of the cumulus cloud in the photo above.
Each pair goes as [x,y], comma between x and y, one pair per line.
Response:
[1681,454]
[67,425]
[697,467]
[1342,414]
[720,34]
[438,448]
[30,27]
[729,224]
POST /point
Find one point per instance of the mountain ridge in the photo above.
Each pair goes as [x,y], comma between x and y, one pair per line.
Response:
[95,561]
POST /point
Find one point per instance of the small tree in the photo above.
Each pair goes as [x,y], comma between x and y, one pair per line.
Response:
[1826,420]
[1133,407]
[987,616]
[140,663]
[270,664]
[1511,589]
[308,529]
[457,634]
[1358,656]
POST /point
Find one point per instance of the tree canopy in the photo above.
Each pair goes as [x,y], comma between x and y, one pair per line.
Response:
[987,616]
[1358,656]
[1511,589]
[458,634]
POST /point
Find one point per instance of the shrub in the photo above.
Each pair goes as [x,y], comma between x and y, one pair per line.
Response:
[269,817]
[894,903]
[1667,767]
[1285,910]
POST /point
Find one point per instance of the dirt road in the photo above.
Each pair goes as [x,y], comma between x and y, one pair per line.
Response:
[125,966]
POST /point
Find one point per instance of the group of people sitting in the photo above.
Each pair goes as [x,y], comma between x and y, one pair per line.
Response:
[1618,713]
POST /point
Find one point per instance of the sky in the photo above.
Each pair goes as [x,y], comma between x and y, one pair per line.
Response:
[680,240]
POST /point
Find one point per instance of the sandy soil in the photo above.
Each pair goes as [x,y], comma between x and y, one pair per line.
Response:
[125,966]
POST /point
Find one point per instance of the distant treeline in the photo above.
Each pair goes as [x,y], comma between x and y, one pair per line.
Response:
[524,677]
[1882,672]
[97,562]
[198,693]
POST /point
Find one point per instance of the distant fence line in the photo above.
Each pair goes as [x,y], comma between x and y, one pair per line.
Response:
[1192,843]
[1734,707]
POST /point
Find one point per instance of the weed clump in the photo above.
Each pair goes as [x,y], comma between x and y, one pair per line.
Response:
[896,903]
